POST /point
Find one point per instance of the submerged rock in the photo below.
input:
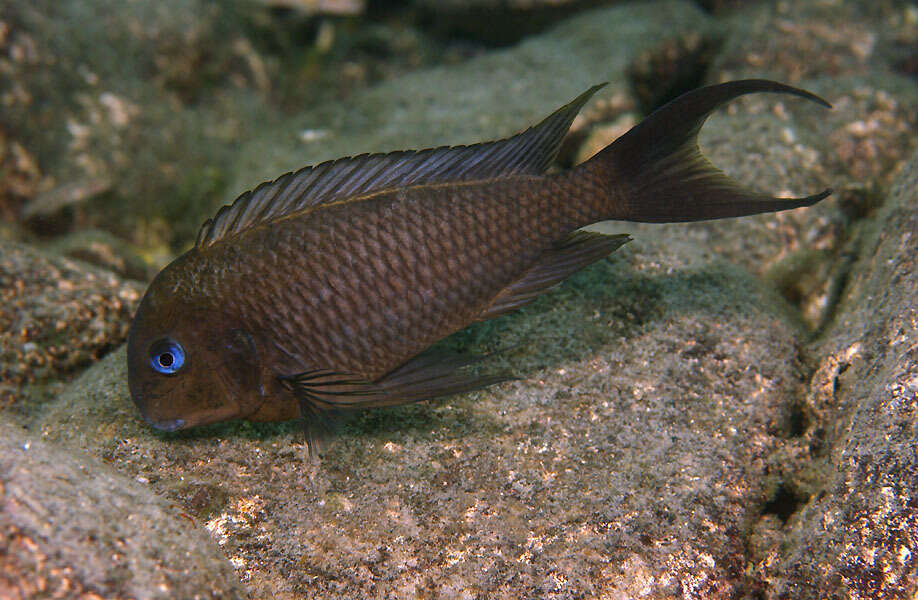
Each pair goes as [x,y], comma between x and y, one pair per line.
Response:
[56,316]
[856,522]
[72,527]
[137,100]
[104,250]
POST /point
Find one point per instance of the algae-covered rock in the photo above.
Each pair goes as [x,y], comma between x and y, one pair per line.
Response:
[56,315]
[858,530]
[72,527]
[125,106]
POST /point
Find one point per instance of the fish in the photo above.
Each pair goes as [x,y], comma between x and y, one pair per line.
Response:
[323,291]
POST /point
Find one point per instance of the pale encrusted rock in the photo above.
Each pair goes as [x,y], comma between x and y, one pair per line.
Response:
[73,527]
[56,316]
[858,534]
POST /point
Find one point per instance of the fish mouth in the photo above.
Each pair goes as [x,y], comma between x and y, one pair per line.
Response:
[173,425]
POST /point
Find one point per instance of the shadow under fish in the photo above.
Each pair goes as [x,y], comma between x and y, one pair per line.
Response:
[322,291]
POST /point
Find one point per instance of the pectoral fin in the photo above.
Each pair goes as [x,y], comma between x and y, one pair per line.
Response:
[323,393]
[578,250]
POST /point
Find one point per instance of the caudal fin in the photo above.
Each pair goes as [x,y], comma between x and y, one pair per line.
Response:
[656,172]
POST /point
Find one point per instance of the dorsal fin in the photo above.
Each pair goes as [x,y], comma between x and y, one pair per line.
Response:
[529,152]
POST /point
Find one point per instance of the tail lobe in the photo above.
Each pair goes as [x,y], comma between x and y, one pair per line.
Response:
[656,172]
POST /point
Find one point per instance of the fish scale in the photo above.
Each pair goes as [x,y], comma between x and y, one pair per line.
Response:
[323,290]
[361,302]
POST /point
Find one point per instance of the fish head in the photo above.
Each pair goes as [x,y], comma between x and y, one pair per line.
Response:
[189,366]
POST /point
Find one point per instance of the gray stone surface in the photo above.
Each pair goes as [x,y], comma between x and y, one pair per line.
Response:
[73,527]
[859,530]
[56,316]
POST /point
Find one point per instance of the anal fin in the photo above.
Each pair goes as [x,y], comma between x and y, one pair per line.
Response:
[578,250]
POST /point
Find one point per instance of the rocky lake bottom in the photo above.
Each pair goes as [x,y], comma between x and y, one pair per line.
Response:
[723,409]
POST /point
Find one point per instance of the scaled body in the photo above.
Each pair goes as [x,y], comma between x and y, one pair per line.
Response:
[322,290]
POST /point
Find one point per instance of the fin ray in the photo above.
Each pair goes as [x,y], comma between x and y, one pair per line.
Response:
[529,152]
[428,375]
[658,175]
[577,251]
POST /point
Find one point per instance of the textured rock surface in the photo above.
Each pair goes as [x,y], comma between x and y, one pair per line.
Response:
[111,107]
[849,51]
[56,315]
[859,530]
[72,527]
[720,410]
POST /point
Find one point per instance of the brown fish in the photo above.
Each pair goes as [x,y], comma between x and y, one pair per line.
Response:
[321,290]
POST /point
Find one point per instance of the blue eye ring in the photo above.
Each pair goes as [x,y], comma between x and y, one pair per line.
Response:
[167,357]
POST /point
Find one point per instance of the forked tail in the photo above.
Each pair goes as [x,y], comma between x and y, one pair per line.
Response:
[656,172]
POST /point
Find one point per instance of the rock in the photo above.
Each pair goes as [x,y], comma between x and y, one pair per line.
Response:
[102,249]
[56,315]
[846,51]
[52,211]
[148,103]
[141,101]
[815,40]
[498,22]
[671,68]
[179,47]
[330,7]
[20,180]
[855,528]
[721,6]
[853,148]
[71,526]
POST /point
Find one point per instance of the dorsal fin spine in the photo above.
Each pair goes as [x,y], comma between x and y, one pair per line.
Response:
[527,153]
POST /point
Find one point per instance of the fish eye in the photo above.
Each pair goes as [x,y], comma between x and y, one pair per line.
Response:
[167,356]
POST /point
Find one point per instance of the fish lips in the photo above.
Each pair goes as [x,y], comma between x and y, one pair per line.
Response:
[162,422]
[193,419]
[157,410]
[168,426]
